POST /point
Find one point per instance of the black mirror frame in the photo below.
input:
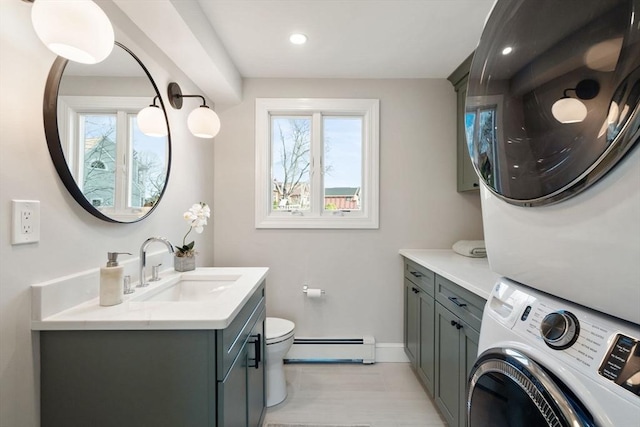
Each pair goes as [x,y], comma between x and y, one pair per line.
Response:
[50,112]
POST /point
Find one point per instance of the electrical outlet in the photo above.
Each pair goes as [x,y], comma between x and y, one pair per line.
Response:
[26,222]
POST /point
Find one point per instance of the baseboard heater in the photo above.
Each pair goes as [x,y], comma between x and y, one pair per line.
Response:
[340,350]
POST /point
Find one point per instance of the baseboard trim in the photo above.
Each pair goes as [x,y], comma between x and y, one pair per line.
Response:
[391,352]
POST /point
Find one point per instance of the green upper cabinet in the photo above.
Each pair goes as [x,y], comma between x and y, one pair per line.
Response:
[467,177]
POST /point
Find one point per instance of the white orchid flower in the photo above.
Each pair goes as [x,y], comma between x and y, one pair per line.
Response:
[196,217]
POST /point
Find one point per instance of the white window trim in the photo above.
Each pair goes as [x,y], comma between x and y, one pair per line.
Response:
[368,216]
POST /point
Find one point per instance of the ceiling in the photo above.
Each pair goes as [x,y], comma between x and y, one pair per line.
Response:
[234,39]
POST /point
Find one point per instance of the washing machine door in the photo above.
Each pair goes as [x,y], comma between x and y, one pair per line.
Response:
[508,389]
[553,96]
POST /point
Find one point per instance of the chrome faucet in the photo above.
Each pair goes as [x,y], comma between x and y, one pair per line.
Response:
[143,256]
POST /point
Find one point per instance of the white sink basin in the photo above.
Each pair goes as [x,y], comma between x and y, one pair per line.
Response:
[196,288]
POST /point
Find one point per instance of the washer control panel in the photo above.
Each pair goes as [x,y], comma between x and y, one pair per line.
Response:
[581,339]
[589,341]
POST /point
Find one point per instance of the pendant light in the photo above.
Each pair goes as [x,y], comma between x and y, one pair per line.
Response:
[572,110]
[569,110]
[203,122]
[78,30]
[151,120]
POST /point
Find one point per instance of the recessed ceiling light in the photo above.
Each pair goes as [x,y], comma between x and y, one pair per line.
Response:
[298,38]
[507,50]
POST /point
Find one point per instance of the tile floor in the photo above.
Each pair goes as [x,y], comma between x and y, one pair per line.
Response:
[379,395]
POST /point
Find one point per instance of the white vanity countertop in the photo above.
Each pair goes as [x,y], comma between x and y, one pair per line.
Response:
[137,314]
[472,274]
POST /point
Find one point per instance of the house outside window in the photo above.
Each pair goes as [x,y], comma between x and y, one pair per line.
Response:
[317,163]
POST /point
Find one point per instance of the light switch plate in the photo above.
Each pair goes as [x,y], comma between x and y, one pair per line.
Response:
[26,222]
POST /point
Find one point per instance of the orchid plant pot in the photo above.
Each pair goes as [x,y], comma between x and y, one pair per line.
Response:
[184,263]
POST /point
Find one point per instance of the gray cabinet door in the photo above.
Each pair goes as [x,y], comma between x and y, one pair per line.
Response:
[447,378]
[232,394]
[256,400]
[127,378]
[469,339]
[411,319]
[426,352]
[467,177]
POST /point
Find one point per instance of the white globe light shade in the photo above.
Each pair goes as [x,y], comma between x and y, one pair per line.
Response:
[203,122]
[151,122]
[74,29]
[569,110]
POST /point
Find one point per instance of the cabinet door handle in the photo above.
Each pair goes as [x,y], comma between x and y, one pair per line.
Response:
[257,346]
[415,291]
[475,184]
[456,302]
[456,324]
[416,274]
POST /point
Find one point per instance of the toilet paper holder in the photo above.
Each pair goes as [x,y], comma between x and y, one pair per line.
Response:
[305,288]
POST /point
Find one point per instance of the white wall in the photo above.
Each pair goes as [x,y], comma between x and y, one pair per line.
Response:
[71,239]
[359,269]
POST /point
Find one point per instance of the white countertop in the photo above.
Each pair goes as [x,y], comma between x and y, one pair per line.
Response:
[136,314]
[472,274]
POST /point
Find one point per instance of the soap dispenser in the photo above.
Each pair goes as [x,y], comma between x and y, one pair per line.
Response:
[112,280]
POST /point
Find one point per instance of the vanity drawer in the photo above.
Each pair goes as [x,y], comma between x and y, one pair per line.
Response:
[229,341]
[420,276]
[461,302]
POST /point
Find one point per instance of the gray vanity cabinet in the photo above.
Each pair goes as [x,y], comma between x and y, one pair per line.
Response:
[419,321]
[467,177]
[159,378]
[457,326]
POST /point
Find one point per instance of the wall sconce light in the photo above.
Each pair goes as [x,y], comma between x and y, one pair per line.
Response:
[151,120]
[74,29]
[572,110]
[203,122]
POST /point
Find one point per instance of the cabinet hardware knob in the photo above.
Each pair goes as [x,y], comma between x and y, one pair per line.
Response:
[456,324]
[456,302]
[415,274]
[415,291]
[475,184]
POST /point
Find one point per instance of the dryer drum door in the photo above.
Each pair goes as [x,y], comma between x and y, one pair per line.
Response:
[507,388]
[551,114]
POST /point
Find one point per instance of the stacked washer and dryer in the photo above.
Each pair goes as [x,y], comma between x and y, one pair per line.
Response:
[553,123]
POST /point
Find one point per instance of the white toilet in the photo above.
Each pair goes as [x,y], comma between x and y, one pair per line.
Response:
[279,334]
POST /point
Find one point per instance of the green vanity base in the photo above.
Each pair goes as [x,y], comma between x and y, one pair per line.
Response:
[156,378]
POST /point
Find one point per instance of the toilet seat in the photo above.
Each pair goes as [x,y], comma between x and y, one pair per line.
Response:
[278,330]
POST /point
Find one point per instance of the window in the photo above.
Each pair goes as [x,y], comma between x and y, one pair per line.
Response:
[481,128]
[120,170]
[317,163]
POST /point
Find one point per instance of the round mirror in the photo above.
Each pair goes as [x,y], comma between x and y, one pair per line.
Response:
[552,101]
[112,169]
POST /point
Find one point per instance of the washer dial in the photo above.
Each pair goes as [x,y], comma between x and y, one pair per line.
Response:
[560,329]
